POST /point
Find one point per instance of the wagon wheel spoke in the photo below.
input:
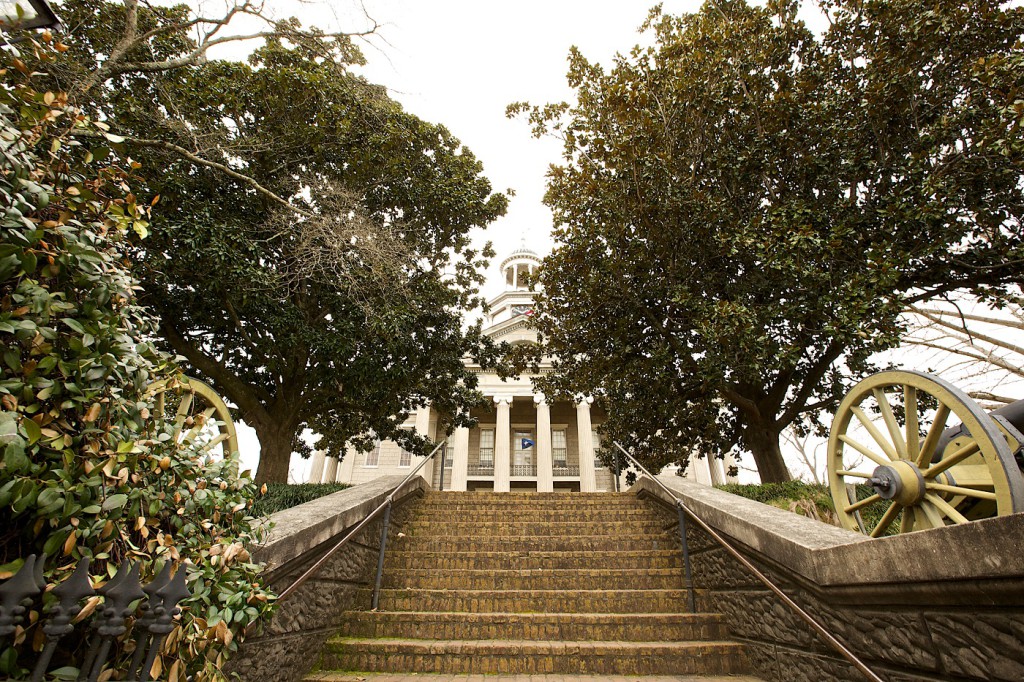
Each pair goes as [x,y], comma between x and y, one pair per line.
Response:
[214,442]
[932,439]
[864,450]
[895,432]
[961,491]
[887,518]
[945,463]
[183,409]
[876,435]
[913,424]
[946,508]
[860,504]
[931,514]
[200,421]
[908,521]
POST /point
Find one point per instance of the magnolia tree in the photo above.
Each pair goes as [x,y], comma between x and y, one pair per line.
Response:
[744,209]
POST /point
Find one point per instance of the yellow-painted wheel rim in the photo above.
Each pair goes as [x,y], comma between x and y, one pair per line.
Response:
[188,426]
[915,487]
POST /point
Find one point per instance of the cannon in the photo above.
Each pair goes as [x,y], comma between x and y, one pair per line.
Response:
[909,451]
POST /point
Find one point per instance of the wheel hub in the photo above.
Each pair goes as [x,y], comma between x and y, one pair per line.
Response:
[900,481]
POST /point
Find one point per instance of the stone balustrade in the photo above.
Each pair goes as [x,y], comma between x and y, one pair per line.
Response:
[943,604]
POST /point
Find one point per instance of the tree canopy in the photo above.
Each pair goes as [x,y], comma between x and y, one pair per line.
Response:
[745,208]
[309,255]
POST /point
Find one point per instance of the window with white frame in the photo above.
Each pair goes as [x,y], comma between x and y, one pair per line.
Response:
[559,449]
[373,456]
[486,447]
[449,455]
[405,458]
[595,439]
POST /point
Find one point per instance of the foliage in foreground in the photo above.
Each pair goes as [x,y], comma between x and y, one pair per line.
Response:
[87,471]
[746,209]
[285,495]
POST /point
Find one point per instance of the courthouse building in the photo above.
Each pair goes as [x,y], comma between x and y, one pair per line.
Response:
[522,441]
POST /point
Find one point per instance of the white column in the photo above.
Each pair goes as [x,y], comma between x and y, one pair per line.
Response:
[347,469]
[316,469]
[545,474]
[423,429]
[502,441]
[701,471]
[460,467]
[588,476]
[331,471]
[717,471]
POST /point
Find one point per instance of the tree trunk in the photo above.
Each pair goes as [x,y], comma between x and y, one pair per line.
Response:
[762,440]
[275,454]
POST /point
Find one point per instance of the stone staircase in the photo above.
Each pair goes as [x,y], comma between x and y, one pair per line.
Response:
[533,584]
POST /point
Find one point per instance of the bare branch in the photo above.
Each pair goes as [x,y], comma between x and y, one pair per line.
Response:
[186,154]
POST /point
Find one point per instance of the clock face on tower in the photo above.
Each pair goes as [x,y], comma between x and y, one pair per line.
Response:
[521,310]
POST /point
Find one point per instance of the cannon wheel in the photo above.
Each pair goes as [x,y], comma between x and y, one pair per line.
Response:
[975,476]
[190,404]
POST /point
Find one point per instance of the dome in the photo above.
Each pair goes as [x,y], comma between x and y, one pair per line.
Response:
[520,254]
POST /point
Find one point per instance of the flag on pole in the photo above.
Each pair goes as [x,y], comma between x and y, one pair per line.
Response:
[526,444]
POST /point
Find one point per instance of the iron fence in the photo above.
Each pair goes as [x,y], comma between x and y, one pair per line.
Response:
[153,605]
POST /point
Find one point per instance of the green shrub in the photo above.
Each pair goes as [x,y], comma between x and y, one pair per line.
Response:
[284,495]
[86,469]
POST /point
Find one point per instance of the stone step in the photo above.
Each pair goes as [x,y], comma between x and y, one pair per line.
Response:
[525,496]
[415,677]
[446,515]
[556,502]
[536,579]
[516,527]
[666,627]
[531,657]
[532,543]
[637,560]
[536,601]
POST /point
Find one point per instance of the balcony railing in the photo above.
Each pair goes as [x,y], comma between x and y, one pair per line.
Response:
[480,470]
[524,469]
[566,470]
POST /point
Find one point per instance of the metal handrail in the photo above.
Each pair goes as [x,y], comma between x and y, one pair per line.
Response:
[385,505]
[806,617]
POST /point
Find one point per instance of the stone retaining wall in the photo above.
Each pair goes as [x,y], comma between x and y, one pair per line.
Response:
[944,604]
[290,644]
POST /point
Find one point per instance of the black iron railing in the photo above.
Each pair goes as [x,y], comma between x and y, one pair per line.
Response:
[685,512]
[480,470]
[154,614]
[566,470]
[524,470]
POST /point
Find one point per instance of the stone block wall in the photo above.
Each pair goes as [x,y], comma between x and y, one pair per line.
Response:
[945,604]
[289,646]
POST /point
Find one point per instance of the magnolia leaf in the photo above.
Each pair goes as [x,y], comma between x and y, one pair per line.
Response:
[117,501]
